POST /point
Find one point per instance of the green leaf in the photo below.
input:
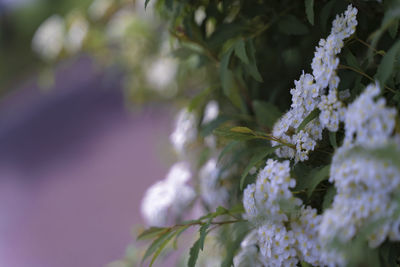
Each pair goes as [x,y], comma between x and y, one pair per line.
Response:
[198,245]
[234,245]
[252,66]
[223,33]
[256,158]
[332,139]
[328,198]
[266,113]
[241,129]
[178,233]
[393,29]
[229,147]
[146,3]
[229,85]
[183,53]
[240,51]
[316,177]
[385,69]
[203,233]
[156,244]
[291,25]
[352,60]
[162,246]
[325,13]
[390,17]
[194,254]
[309,4]
[151,232]
[313,114]
[227,133]
[208,128]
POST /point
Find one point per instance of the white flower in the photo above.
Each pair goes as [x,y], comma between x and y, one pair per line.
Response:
[76,34]
[98,8]
[161,73]
[185,131]
[211,111]
[49,38]
[277,245]
[167,199]
[211,190]
[369,122]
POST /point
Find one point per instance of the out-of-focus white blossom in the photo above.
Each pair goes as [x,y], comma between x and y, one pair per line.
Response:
[99,8]
[167,199]
[76,34]
[49,38]
[369,122]
[119,24]
[211,111]
[185,131]
[211,189]
[161,73]
[365,184]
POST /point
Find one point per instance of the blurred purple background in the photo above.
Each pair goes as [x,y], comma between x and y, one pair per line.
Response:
[74,165]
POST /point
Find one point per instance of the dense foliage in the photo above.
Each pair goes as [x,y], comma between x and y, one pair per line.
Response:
[288,142]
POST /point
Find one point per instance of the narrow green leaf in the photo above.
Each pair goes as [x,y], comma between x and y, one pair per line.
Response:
[316,177]
[162,246]
[257,157]
[352,60]
[198,245]
[228,148]
[266,113]
[146,3]
[151,232]
[227,133]
[309,4]
[390,17]
[228,82]
[325,13]
[332,139]
[252,66]
[307,119]
[385,69]
[194,254]
[203,233]
[178,233]
[241,129]
[156,244]
[240,51]
[394,28]
[208,128]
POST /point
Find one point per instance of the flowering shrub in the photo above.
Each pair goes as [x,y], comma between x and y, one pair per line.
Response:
[317,185]
[288,145]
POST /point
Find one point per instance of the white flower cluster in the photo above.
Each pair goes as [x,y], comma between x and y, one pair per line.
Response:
[185,131]
[165,200]
[310,93]
[367,122]
[56,34]
[365,184]
[212,193]
[283,239]
[249,255]
[263,198]
[49,37]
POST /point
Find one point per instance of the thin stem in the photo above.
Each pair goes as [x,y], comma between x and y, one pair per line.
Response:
[365,75]
[369,46]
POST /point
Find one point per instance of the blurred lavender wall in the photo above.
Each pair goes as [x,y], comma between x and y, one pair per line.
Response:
[74,165]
